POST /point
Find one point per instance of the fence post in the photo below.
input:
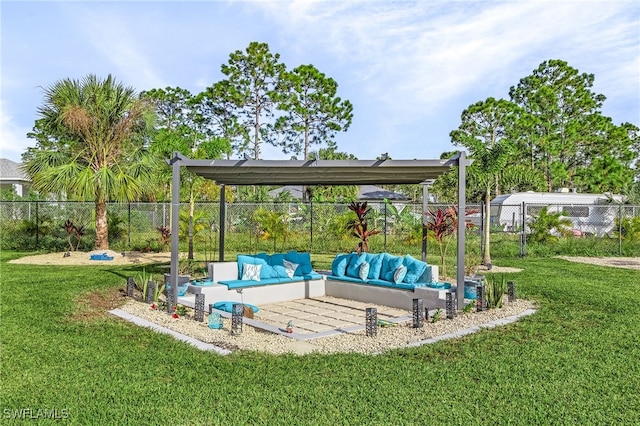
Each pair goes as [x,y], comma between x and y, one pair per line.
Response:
[129,224]
[311,225]
[523,235]
[385,226]
[37,227]
[620,230]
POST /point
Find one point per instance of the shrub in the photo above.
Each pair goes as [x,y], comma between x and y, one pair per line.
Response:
[495,287]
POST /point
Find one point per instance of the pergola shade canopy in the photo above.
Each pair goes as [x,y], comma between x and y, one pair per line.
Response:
[320,172]
[316,172]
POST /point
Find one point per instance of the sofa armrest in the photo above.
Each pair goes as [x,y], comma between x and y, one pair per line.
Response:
[223,271]
[430,274]
[434,273]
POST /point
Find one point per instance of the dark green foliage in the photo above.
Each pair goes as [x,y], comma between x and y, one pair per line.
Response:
[545,226]
[272,225]
[116,227]
[628,228]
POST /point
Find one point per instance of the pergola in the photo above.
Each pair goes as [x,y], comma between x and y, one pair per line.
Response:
[318,172]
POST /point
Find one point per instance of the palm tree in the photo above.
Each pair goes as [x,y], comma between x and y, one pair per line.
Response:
[90,146]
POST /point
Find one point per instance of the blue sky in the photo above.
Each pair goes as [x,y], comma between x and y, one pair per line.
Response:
[409,67]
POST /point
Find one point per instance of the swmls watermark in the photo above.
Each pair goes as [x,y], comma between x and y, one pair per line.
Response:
[35,413]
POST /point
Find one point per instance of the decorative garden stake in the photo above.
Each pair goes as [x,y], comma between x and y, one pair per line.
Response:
[151,291]
[426,313]
[371,325]
[418,321]
[198,308]
[236,318]
[511,291]
[449,306]
[480,304]
[130,286]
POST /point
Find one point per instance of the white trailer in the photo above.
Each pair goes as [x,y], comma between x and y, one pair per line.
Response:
[590,214]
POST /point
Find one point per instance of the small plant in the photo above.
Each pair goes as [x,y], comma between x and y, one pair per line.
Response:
[385,324]
[442,226]
[141,281]
[495,287]
[181,310]
[359,226]
[73,230]
[187,266]
[468,308]
[437,316]
[142,285]
[290,326]
[165,236]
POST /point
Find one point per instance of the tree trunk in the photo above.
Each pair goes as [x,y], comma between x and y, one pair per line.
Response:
[486,258]
[102,233]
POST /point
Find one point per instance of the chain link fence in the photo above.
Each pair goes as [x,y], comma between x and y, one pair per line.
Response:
[318,227]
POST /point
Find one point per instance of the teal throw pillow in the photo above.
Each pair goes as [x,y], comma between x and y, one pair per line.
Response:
[415,269]
[353,266]
[339,265]
[375,265]
[389,265]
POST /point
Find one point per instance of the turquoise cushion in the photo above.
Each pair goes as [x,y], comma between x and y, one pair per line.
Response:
[276,259]
[375,265]
[347,279]
[391,284]
[309,277]
[415,269]
[339,265]
[353,264]
[266,271]
[276,262]
[389,265]
[228,306]
[303,260]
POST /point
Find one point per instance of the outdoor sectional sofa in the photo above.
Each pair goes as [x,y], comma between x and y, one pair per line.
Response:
[385,279]
[262,279]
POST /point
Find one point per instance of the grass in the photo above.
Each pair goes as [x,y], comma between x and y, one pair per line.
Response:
[574,362]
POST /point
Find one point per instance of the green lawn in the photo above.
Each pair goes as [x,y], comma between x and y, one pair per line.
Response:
[576,361]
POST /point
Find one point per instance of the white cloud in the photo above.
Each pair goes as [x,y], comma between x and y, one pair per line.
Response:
[120,43]
[13,138]
[417,65]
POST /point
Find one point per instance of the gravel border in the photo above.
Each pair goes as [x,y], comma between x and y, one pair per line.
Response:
[254,339]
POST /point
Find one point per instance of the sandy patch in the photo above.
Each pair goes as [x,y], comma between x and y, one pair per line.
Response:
[614,262]
[498,269]
[84,258]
